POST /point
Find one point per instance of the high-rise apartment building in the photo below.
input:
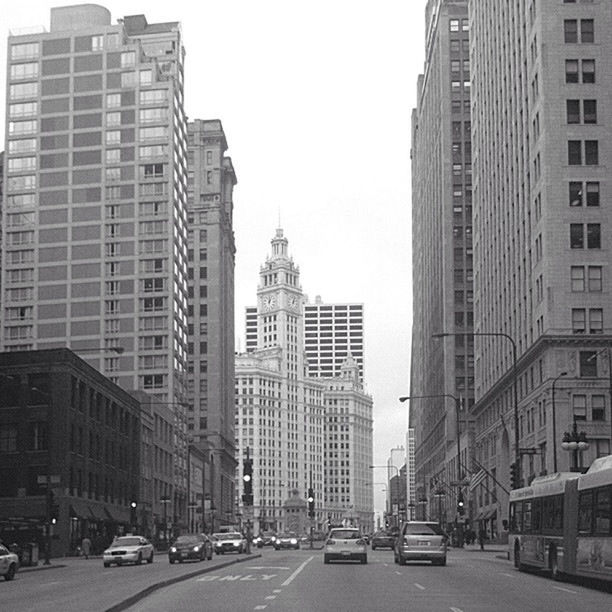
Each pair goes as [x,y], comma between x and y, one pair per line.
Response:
[279,410]
[442,248]
[332,333]
[541,148]
[211,256]
[348,453]
[94,233]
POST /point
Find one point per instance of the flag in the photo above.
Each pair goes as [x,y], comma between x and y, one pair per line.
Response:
[476,479]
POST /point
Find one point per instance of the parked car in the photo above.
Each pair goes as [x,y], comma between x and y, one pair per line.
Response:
[345,544]
[265,538]
[286,540]
[190,546]
[383,539]
[229,542]
[128,549]
[9,563]
[421,541]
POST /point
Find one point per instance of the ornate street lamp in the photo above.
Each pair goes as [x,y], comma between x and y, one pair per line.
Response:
[575,442]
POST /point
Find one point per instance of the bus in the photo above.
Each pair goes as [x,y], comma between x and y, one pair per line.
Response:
[562,523]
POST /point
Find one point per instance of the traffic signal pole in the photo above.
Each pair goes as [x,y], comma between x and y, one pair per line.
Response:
[247,496]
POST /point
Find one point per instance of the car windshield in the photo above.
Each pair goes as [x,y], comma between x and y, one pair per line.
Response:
[287,535]
[423,529]
[345,534]
[187,539]
[126,542]
[228,536]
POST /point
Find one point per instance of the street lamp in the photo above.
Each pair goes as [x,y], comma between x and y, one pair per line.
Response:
[517,452]
[386,467]
[575,442]
[554,421]
[457,401]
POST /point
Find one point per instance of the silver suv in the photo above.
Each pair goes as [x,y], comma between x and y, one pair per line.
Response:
[421,541]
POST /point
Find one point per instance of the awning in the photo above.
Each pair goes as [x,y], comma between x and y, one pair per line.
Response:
[79,509]
[97,512]
[118,515]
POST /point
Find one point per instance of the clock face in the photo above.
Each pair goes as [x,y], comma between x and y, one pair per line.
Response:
[269,302]
[293,302]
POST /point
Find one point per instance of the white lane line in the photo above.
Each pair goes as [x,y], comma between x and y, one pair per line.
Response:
[565,590]
[509,575]
[260,607]
[419,586]
[270,596]
[268,567]
[297,571]
[51,583]
[398,573]
[456,610]
[277,591]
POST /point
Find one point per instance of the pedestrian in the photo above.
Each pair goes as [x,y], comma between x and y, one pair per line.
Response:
[482,534]
[86,547]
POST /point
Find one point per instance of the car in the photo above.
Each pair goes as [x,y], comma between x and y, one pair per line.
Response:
[383,539]
[9,563]
[265,538]
[286,540]
[128,549]
[232,541]
[421,541]
[190,546]
[345,544]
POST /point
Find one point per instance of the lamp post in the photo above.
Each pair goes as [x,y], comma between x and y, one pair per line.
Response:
[517,453]
[457,401]
[165,501]
[575,441]
[386,467]
[554,420]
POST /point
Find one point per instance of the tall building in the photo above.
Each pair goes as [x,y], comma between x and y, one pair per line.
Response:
[348,453]
[94,237]
[541,143]
[442,248]
[279,410]
[211,256]
[411,497]
[332,333]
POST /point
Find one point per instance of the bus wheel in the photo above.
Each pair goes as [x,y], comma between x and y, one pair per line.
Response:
[553,563]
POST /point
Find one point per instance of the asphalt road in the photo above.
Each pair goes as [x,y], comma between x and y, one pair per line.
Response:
[298,580]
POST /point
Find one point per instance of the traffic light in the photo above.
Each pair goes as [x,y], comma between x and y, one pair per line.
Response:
[311,506]
[460,504]
[53,508]
[247,479]
[514,476]
[133,519]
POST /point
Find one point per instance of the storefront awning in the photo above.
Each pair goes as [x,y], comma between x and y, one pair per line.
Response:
[79,509]
[97,512]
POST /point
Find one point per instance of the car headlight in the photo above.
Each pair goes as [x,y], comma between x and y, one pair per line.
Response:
[293,541]
[173,549]
[196,549]
[106,552]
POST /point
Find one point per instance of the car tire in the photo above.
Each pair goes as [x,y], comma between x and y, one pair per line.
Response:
[139,560]
[209,556]
[364,560]
[10,573]
[325,559]
[150,559]
[171,561]
[373,547]
[439,561]
[107,564]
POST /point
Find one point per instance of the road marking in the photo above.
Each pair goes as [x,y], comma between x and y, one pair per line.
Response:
[270,596]
[268,567]
[277,591]
[398,573]
[50,583]
[260,607]
[456,610]
[566,590]
[297,571]
[509,575]
[208,578]
[419,586]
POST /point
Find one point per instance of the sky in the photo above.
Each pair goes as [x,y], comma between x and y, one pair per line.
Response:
[315,99]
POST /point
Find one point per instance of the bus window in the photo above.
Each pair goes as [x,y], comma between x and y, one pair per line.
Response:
[603,509]
[585,513]
[557,512]
[513,517]
[536,515]
[526,517]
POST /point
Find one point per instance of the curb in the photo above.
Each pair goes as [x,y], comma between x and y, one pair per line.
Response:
[38,568]
[130,601]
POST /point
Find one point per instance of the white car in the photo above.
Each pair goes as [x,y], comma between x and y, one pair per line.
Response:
[345,544]
[128,549]
[229,542]
[9,563]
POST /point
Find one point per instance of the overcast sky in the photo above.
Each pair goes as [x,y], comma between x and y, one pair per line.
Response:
[315,99]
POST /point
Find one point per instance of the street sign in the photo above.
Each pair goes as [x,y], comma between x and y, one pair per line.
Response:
[247,513]
[53,479]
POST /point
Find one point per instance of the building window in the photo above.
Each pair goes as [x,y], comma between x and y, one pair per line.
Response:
[571,71]
[595,275]
[594,323]
[587,31]
[588,70]
[591,152]
[573,111]
[589,111]
[577,278]
[574,152]
[570,30]
[577,189]
[598,408]
[579,407]
[454,25]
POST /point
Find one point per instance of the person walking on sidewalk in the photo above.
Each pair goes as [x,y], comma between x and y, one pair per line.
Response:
[86,547]
[482,534]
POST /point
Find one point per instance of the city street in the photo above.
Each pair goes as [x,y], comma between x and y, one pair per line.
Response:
[298,580]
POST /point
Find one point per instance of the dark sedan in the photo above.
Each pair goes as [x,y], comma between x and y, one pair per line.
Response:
[287,540]
[190,547]
[382,539]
